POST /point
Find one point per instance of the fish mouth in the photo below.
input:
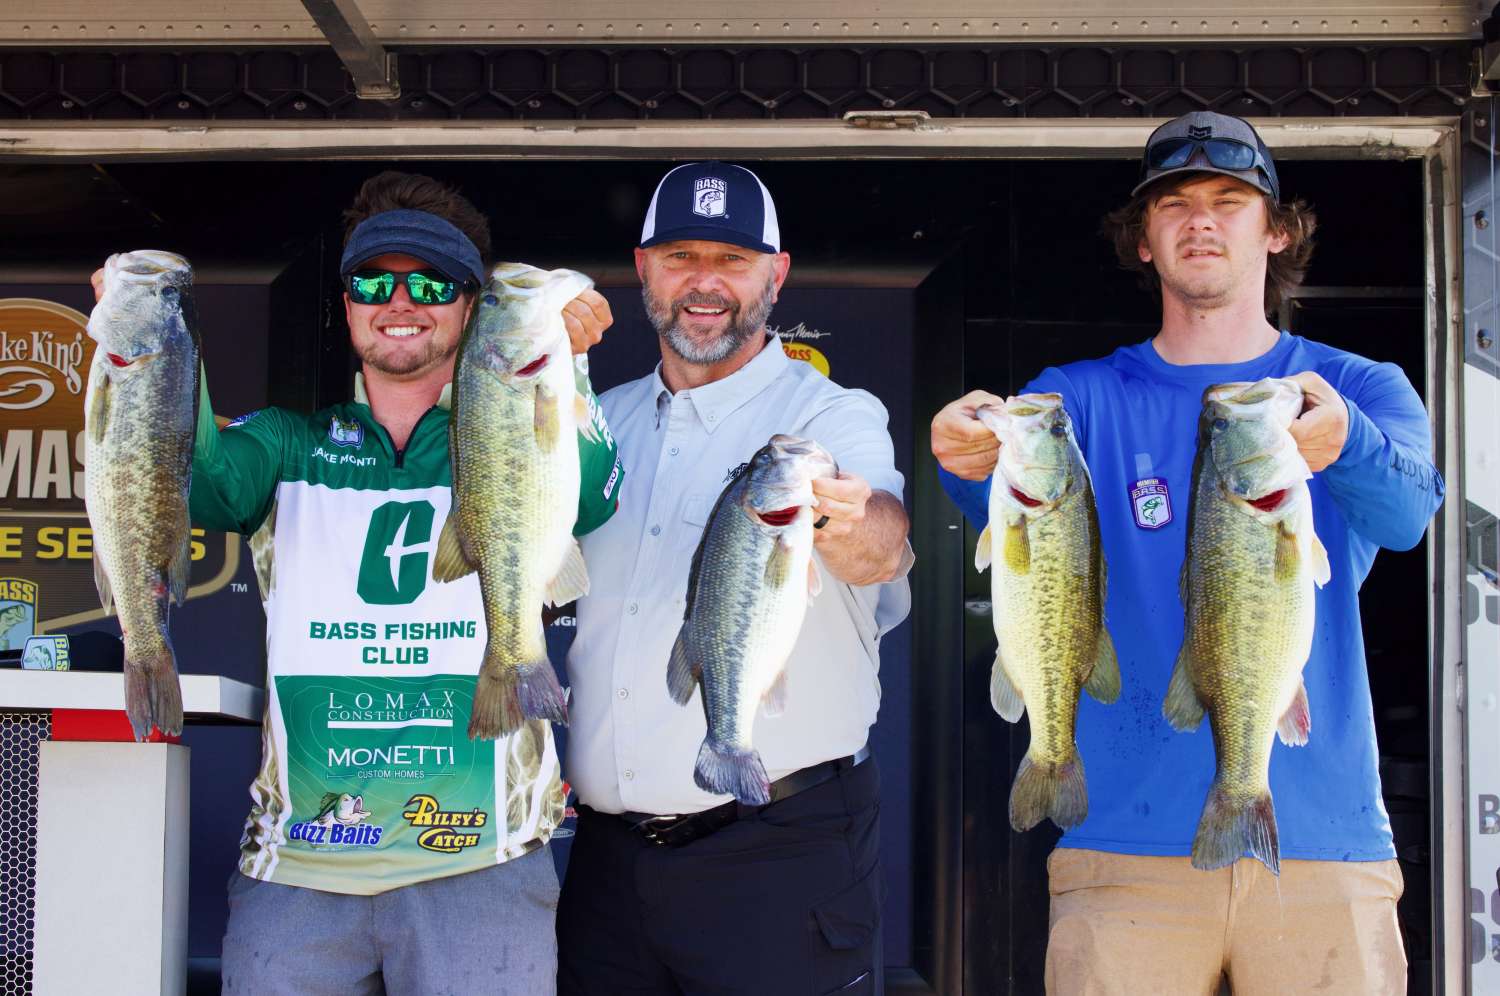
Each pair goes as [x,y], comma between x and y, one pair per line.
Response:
[131,363]
[533,368]
[778,517]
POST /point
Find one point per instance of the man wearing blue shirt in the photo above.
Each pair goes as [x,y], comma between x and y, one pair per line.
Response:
[1129,914]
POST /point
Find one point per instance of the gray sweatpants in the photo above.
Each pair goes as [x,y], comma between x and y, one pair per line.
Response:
[489,931]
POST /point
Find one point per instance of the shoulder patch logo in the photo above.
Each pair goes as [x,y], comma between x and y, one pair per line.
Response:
[711,197]
[350,433]
[1151,503]
[242,419]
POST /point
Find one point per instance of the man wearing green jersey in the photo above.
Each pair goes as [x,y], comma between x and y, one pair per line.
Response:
[385,851]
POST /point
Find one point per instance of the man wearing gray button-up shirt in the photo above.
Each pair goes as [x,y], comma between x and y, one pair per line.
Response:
[671,889]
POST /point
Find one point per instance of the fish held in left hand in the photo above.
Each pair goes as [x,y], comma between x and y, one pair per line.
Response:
[140,415]
[1247,585]
[747,595]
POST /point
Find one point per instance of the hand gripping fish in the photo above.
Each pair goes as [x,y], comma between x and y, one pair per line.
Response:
[747,594]
[1048,590]
[139,421]
[1247,586]
[513,440]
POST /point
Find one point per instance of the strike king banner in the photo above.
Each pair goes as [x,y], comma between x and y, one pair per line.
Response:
[46,545]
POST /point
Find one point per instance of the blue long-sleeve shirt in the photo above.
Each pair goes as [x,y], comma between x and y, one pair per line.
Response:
[1135,417]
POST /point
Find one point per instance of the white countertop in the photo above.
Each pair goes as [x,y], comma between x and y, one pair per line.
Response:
[205,697]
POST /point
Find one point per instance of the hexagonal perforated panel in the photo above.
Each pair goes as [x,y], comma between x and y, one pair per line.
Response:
[20,733]
[639,83]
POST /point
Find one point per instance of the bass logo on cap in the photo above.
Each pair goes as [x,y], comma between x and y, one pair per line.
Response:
[710,197]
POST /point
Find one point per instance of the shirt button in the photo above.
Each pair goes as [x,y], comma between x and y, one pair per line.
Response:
[656,530]
[623,693]
[632,608]
[673,451]
[712,417]
[628,774]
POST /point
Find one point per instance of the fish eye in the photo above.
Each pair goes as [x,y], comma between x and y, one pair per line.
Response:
[491,300]
[170,293]
[1221,424]
[1059,430]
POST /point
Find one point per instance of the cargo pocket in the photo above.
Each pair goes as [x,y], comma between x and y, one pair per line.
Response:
[843,938]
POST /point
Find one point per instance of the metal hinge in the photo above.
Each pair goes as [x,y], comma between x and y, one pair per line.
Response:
[909,120]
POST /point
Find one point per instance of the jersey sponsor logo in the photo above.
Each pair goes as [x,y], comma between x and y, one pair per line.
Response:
[410,761]
[342,433]
[393,568]
[443,831]
[614,477]
[1151,503]
[711,197]
[340,822]
[242,419]
[18,600]
[391,710]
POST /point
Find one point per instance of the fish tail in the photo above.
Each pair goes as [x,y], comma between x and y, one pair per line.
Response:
[1232,827]
[1055,790]
[153,696]
[733,770]
[507,695]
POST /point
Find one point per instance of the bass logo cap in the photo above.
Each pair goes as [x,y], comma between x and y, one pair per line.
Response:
[715,202]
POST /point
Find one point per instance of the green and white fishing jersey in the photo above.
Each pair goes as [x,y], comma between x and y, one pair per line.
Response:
[368,779]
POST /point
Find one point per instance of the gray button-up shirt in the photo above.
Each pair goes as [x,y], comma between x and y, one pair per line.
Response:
[630,747]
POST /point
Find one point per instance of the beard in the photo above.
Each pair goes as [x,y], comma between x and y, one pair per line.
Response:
[740,323]
[399,362]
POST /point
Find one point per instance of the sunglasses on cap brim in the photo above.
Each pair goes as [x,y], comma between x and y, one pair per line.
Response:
[424,286]
[1222,153]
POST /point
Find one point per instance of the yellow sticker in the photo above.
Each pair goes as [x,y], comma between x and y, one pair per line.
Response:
[807,354]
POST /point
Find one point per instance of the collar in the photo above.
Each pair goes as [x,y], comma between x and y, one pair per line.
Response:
[444,401]
[716,401]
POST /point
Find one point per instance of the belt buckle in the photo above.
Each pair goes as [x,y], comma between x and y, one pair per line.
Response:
[662,830]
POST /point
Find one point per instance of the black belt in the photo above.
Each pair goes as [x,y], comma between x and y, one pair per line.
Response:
[675,831]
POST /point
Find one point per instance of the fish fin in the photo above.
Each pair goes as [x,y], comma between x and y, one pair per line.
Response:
[581,419]
[547,422]
[1049,790]
[1296,722]
[572,581]
[1182,707]
[178,571]
[1288,556]
[779,564]
[814,579]
[101,582]
[1231,828]
[738,772]
[450,563]
[1104,679]
[506,695]
[96,417]
[1322,573]
[153,696]
[1017,547]
[982,552]
[682,676]
[773,702]
[1004,695]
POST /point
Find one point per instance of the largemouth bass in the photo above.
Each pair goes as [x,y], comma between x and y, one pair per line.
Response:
[1048,590]
[514,445]
[1247,587]
[747,594]
[139,420]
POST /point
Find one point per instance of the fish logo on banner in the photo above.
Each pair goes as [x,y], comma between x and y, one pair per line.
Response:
[711,197]
[18,598]
[1151,502]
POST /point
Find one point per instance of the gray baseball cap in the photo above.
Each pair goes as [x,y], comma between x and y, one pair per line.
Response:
[1209,142]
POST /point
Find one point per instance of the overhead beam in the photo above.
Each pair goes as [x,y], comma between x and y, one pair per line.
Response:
[371,66]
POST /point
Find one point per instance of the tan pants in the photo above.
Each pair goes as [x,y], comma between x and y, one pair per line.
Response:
[1146,926]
